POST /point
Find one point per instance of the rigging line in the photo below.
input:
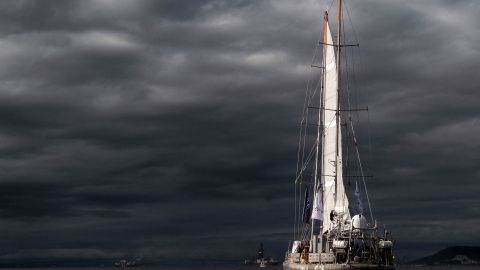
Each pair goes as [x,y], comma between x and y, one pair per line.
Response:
[312,63]
[348,75]
[359,54]
[356,147]
[311,97]
[359,122]
[305,230]
[306,163]
[369,143]
[344,52]
[307,227]
[305,118]
[312,60]
[300,206]
[310,79]
[353,77]
[297,205]
[350,20]
[314,91]
[350,65]
[305,128]
[308,183]
[299,145]
[315,178]
[297,228]
[300,209]
[359,126]
[303,137]
[300,137]
[305,113]
[361,67]
[347,161]
[295,212]
[328,7]
[361,171]
[300,150]
[302,236]
[299,220]
[318,81]
[301,179]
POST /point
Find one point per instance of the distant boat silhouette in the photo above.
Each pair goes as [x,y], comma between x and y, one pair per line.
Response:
[260,259]
[128,263]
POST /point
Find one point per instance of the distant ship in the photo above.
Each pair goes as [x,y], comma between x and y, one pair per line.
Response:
[260,259]
[342,238]
[128,263]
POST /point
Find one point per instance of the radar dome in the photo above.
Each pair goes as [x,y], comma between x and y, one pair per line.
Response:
[359,222]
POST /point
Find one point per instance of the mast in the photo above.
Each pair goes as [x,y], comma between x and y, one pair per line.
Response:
[322,103]
[320,120]
[337,117]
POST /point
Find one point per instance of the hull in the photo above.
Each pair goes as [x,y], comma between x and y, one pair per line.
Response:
[333,266]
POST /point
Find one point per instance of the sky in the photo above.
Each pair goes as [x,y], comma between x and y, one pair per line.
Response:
[169,129]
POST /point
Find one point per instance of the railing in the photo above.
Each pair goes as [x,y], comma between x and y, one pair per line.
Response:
[312,258]
[294,257]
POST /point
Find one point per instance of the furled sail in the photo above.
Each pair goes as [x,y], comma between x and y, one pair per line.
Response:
[329,143]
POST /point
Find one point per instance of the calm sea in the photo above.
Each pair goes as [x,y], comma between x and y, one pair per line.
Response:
[239,267]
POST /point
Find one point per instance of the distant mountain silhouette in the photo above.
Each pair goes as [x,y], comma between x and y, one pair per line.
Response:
[463,255]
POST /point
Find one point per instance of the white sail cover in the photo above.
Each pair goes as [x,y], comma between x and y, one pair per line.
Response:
[317,212]
[329,140]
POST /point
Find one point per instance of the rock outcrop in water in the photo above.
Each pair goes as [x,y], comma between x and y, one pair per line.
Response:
[459,255]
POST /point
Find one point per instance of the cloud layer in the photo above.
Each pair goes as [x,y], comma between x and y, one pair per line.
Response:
[154,127]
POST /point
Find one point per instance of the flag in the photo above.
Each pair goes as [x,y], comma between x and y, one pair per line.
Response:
[317,212]
[306,208]
[359,199]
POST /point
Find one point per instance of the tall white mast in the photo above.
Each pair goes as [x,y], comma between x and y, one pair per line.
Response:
[334,197]
[337,118]
[320,123]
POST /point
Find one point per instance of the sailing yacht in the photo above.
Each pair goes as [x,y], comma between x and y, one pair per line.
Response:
[330,233]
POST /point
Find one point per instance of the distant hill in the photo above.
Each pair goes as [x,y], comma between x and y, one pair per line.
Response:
[459,255]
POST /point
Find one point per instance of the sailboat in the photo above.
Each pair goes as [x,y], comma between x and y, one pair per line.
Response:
[261,259]
[330,233]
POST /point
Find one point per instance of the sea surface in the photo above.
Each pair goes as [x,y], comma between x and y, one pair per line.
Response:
[231,267]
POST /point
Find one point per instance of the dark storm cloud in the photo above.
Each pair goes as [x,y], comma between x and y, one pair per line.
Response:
[155,127]
[427,121]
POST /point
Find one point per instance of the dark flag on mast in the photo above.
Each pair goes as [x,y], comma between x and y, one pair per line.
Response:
[306,208]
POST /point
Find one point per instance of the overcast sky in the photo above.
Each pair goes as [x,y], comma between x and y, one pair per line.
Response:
[169,128]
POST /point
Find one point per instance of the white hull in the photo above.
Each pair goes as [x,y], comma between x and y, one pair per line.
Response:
[334,266]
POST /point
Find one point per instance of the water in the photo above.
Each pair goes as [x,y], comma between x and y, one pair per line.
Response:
[234,267]
[447,267]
